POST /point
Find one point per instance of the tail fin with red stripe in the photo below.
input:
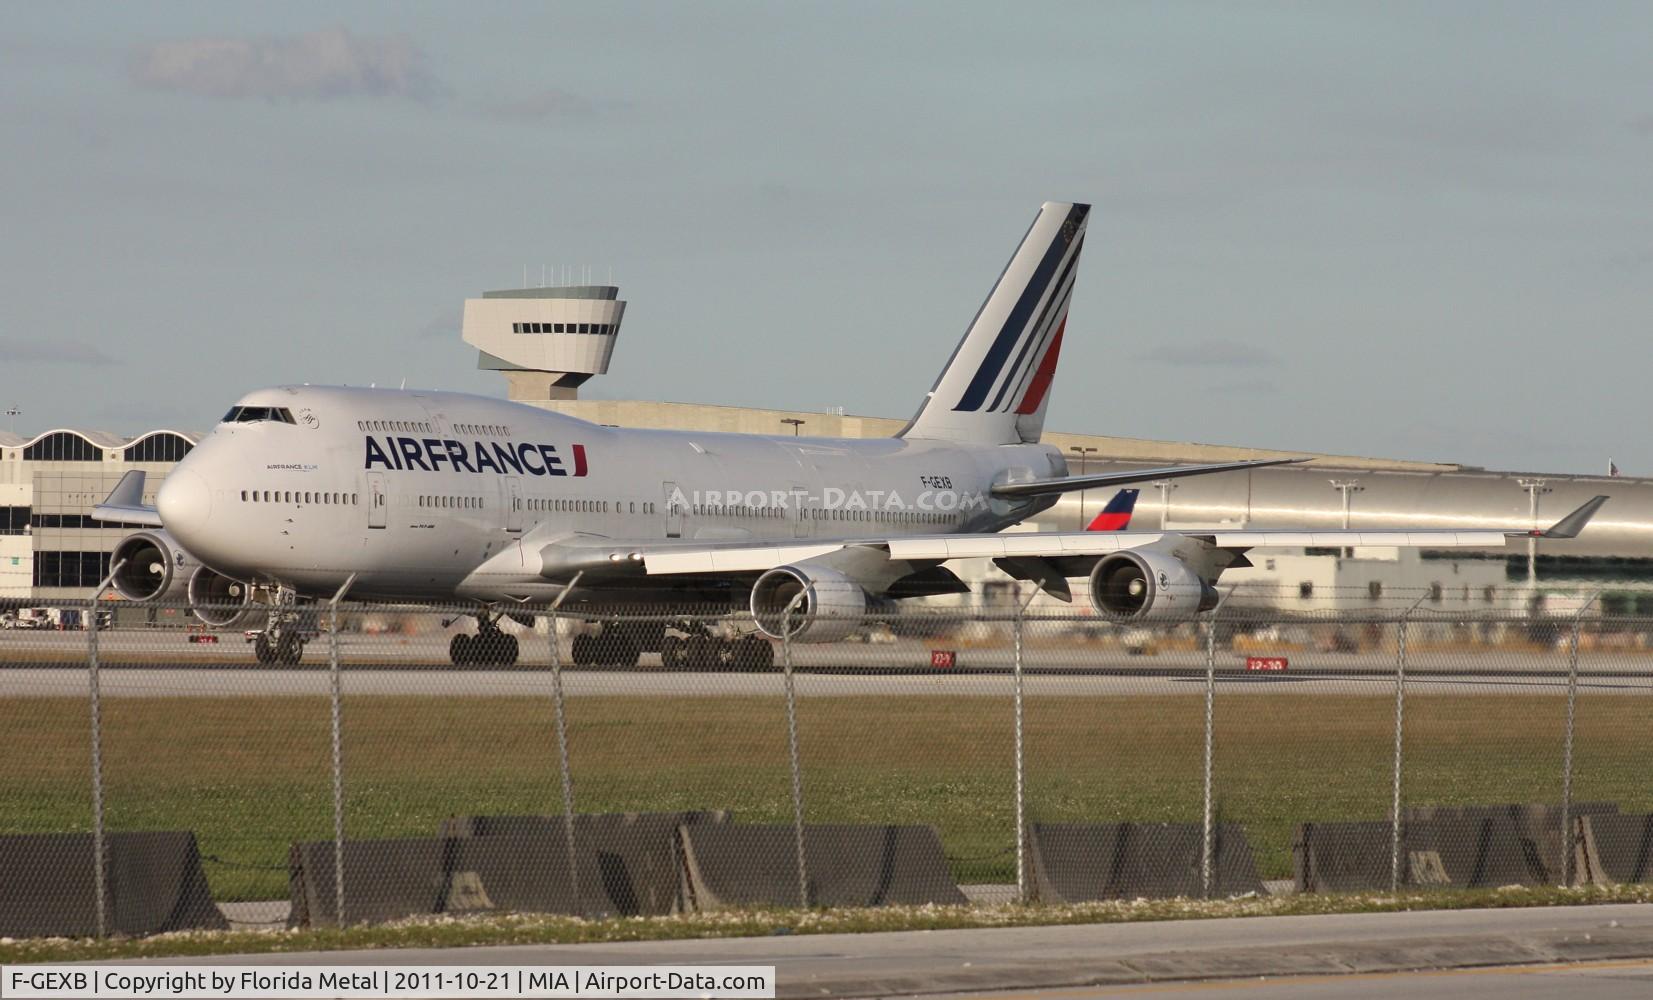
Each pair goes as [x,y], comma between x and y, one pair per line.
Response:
[1116,516]
[996,386]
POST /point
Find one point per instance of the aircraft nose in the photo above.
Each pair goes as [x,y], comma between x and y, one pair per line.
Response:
[184,501]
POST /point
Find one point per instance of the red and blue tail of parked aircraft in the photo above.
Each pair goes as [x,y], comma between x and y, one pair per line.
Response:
[1116,516]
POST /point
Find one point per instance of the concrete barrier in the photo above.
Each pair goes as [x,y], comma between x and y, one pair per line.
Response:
[1613,849]
[1081,862]
[383,880]
[154,884]
[629,862]
[1463,847]
[728,865]
[1342,857]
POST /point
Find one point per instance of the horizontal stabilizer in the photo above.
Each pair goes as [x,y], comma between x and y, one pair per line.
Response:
[125,505]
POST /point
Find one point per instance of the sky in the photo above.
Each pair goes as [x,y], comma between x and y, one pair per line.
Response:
[1408,230]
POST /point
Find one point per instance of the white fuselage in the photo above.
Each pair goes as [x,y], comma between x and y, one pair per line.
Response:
[411,492]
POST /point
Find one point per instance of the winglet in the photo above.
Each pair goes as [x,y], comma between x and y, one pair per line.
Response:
[1572,524]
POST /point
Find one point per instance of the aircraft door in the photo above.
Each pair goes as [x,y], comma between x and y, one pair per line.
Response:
[800,510]
[513,503]
[673,502]
[376,500]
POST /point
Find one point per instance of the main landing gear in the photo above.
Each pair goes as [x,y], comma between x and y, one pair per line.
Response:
[702,651]
[489,647]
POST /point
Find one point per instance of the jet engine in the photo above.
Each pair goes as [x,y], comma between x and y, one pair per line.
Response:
[156,567]
[217,600]
[1142,586]
[833,604]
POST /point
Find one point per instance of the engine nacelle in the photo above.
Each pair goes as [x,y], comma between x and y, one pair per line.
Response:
[217,600]
[156,567]
[833,605]
[1140,586]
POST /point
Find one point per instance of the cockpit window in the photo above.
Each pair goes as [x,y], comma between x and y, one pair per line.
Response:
[255,414]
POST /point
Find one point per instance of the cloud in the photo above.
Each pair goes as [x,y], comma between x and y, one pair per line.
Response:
[59,352]
[546,105]
[1210,354]
[444,326]
[321,65]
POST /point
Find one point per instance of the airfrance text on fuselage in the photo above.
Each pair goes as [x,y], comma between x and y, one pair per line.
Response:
[431,454]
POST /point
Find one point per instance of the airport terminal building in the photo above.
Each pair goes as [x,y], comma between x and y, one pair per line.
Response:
[50,548]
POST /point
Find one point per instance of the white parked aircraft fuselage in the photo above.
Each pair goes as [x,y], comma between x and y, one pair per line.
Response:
[411,492]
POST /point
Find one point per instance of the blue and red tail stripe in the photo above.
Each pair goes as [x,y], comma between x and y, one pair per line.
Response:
[1021,331]
[1116,516]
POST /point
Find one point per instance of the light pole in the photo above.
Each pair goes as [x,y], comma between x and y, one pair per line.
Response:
[1165,486]
[1083,454]
[13,411]
[795,422]
[1346,487]
[1534,487]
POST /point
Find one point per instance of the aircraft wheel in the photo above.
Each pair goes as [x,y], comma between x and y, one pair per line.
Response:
[583,653]
[624,652]
[459,649]
[702,652]
[262,650]
[672,653]
[288,650]
[512,649]
[751,653]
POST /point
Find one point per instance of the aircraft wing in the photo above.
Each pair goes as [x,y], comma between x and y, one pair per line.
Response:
[125,503]
[746,557]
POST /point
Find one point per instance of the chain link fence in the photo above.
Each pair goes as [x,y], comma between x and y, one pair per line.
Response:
[335,766]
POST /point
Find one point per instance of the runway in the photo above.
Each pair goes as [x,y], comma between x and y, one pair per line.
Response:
[366,681]
[167,663]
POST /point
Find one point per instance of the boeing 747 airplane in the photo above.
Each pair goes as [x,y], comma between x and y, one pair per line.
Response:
[440,497]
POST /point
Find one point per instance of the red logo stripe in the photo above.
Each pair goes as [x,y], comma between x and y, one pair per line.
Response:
[1047,369]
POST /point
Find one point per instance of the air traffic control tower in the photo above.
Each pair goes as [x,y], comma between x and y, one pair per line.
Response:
[547,341]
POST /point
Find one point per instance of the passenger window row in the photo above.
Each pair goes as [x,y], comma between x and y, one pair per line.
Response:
[394,425]
[497,430]
[452,503]
[299,497]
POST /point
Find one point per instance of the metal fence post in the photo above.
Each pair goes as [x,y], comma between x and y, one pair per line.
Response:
[1567,747]
[1400,743]
[562,745]
[1207,845]
[1021,773]
[336,694]
[792,746]
[95,694]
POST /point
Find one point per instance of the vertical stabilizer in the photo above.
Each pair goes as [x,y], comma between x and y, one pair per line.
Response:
[996,386]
